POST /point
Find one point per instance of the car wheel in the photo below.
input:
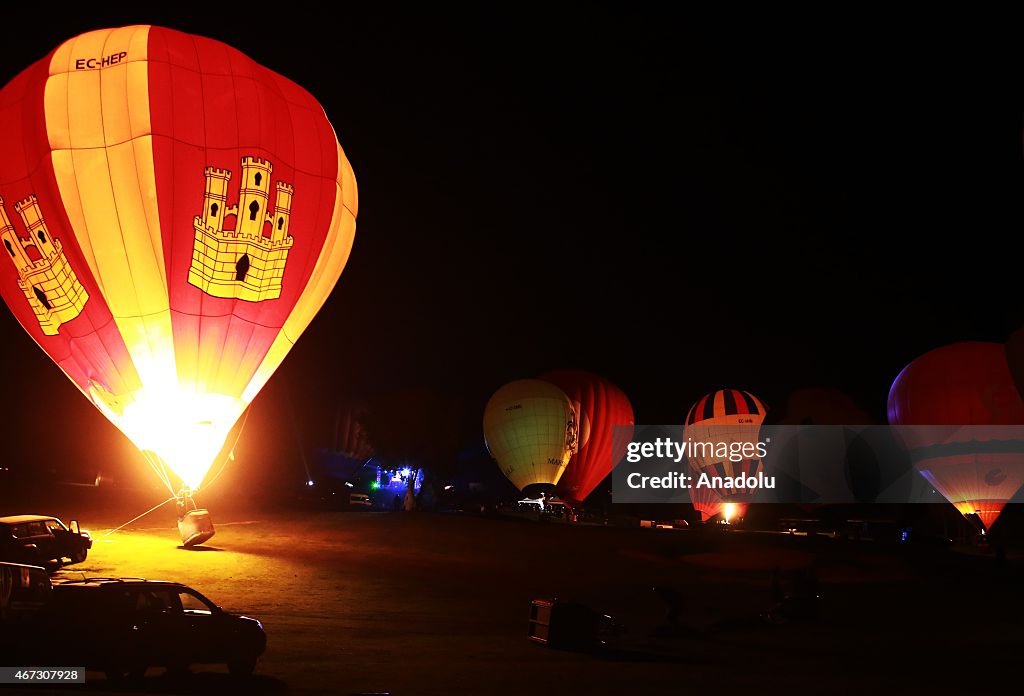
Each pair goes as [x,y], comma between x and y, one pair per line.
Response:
[242,666]
[79,555]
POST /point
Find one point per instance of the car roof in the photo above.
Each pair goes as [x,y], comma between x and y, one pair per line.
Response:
[118,582]
[22,519]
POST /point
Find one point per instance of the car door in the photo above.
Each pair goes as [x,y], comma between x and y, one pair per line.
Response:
[58,538]
[159,627]
[33,541]
[202,621]
[8,544]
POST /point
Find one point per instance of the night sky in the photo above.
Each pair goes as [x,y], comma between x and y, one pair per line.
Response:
[676,203]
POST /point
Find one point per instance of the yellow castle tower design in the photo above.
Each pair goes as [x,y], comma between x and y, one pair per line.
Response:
[247,262]
[50,285]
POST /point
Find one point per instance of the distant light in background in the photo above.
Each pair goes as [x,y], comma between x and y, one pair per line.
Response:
[729,510]
[374,485]
[350,485]
[309,482]
[406,472]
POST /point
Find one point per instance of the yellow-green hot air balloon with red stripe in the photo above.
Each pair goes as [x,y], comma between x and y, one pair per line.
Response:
[532,430]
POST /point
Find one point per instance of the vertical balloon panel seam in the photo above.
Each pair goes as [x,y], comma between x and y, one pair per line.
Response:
[89,368]
[110,175]
[199,376]
[215,373]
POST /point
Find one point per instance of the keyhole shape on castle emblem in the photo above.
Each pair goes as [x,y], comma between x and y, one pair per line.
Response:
[242,267]
[254,208]
[41,296]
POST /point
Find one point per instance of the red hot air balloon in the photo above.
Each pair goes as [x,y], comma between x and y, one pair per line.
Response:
[1015,357]
[966,384]
[821,406]
[815,452]
[600,406]
[174,215]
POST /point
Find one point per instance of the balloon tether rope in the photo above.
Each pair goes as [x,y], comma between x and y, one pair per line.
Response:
[159,505]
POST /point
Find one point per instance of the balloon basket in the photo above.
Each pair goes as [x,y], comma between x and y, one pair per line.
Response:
[196,527]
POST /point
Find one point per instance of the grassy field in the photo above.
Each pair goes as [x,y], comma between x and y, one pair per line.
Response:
[412,604]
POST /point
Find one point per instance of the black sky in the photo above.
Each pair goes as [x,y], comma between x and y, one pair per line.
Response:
[675,202]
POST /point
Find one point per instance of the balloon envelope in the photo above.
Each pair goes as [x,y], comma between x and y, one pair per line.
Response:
[820,406]
[966,384]
[600,406]
[725,416]
[812,454]
[531,430]
[174,215]
[1015,358]
[351,438]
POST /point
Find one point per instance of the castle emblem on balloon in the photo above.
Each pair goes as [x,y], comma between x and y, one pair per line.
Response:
[246,262]
[50,285]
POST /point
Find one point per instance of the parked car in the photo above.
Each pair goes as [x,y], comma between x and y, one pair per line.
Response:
[24,591]
[359,500]
[125,625]
[38,539]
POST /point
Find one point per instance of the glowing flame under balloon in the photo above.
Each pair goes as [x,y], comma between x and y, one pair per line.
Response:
[184,431]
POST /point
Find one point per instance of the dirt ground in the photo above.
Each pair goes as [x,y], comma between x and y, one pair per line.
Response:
[421,604]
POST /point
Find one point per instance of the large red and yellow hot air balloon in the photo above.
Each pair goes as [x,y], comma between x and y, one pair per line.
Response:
[723,416]
[600,406]
[174,215]
[977,469]
[531,429]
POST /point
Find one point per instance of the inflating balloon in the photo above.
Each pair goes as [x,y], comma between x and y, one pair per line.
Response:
[1015,358]
[531,429]
[964,384]
[351,438]
[812,453]
[820,406]
[174,216]
[600,407]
